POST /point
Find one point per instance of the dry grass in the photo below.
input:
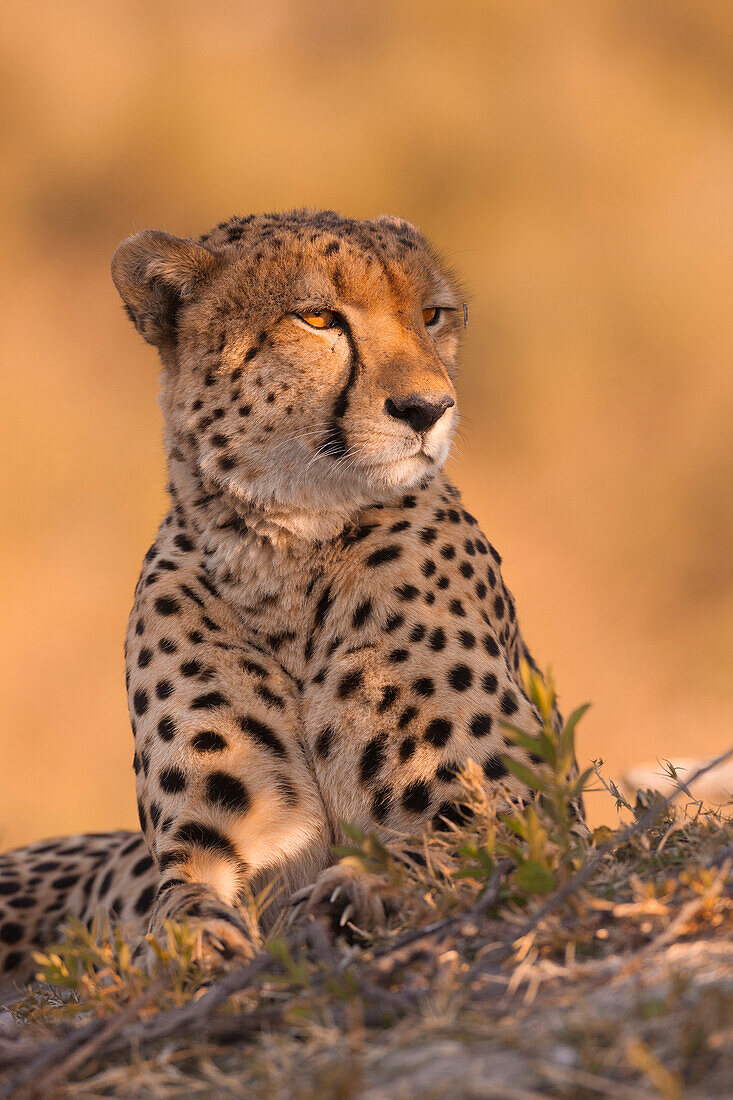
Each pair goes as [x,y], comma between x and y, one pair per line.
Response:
[521,959]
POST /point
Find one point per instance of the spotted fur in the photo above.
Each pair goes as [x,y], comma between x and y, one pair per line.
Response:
[321,632]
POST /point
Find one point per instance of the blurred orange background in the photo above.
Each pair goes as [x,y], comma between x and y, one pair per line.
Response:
[572,160]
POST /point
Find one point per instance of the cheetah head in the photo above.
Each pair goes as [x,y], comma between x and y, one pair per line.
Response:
[308,359]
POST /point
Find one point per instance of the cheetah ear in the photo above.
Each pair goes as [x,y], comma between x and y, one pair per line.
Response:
[391,221]
[155,274]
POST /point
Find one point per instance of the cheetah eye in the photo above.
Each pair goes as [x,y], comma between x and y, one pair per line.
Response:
[431,316]
[319,318]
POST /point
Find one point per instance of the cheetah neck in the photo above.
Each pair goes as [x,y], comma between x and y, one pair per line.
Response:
[266,552]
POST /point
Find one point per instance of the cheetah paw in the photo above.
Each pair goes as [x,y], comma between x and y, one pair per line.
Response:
[222,944]
[353,902]
[221,941]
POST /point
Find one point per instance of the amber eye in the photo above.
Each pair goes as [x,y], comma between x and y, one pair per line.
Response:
[319,318]
[431,315]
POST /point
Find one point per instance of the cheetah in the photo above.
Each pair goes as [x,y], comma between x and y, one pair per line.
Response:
[320,633]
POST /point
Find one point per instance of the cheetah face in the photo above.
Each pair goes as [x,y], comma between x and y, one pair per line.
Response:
[307,358]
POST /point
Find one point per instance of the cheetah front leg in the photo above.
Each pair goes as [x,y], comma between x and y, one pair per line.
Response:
[224,791]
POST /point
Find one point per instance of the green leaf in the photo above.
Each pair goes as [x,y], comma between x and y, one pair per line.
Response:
[525,740]
[567,738]
[524,775]
[548,749]
[534,878]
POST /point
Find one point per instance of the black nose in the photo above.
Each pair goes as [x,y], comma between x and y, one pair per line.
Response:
[418,411]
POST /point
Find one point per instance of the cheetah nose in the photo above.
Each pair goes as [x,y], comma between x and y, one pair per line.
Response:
[418,411]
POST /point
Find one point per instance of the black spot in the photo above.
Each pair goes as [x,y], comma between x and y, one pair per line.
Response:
[393,622]
[467,639]
[13,960]
[145,901]
[372,758]
[448,552]
[456,812]
[389,695]
[381,804]
[356,534]
[424,686]
[509,704]
[228,792]
[269,697]
[164,689]
[208,741]
[382,555]
[458,609]
[165,645]
[397,656]
[64,882]
[140,701]
[172,780]
[106,883]
[499,607]
[253,667]
[166,728]
[324,741]
[262,734]
[349,683]
[209,701]
[195,832]
[11,932]
[13,887]
[416,797]
[406,749]
[438,732]
[361,614]
[322,608]
[407,592]
[437,639]
[446,773]
[460,678]
[491,646]
[481,590]
[167,605]
[144,657]
[183,542]
[493,768]
[480,725]
[406,717]
[191,668]
[428,567]
[142,866]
